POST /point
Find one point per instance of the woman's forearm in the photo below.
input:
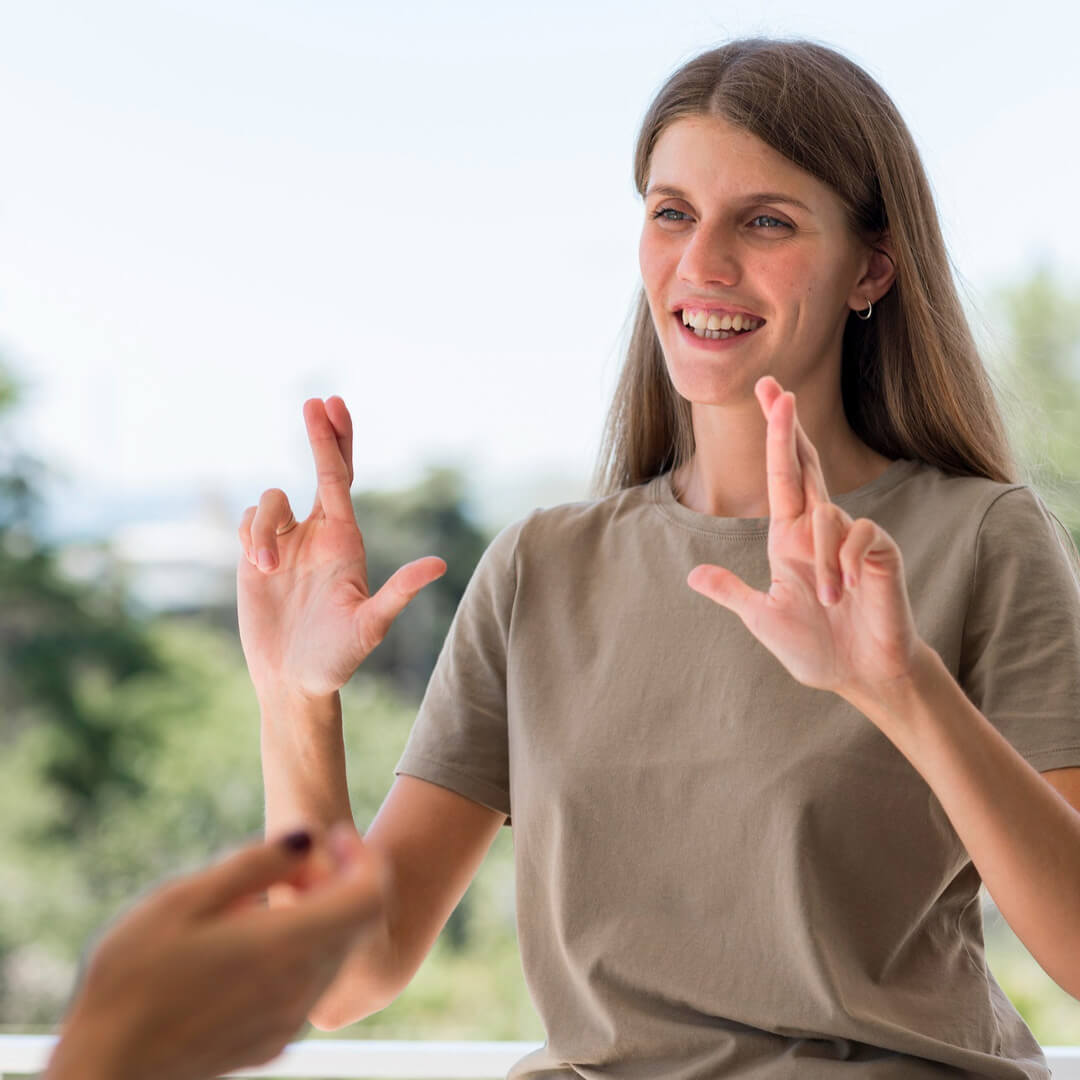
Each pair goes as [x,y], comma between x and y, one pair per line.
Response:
[1021,834]
[303,762]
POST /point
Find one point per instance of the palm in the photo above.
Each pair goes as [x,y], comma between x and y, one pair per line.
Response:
[793,620]
[821,646]
[313,620]
[300,617]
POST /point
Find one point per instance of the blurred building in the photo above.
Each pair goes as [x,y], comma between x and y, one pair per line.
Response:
[181,565]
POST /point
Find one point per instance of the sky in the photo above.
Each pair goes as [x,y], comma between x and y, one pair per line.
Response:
[211,210]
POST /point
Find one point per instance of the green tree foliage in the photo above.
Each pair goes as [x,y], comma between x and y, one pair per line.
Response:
[430,518]
[131,747]
[203,794]
[1038,372]
[60,643]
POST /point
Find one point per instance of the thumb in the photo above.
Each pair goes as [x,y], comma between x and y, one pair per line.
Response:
[376,615]
[246,872]
[726,589]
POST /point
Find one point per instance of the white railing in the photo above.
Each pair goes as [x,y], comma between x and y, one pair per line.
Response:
[363,1059]
[329,1059]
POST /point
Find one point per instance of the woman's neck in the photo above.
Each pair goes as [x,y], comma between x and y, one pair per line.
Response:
[726,476]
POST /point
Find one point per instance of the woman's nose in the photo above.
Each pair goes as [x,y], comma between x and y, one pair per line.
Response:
[709,258]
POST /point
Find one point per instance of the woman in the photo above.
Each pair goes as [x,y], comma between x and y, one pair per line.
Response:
[749,833]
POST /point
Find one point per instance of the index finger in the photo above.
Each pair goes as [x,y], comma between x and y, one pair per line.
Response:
[783,470]
[807,459]
[241,875]
[331,469]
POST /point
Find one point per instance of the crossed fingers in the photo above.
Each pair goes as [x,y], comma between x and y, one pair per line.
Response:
[796,486]
[330,435]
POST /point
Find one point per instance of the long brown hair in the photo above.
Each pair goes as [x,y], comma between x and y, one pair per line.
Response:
[912,381]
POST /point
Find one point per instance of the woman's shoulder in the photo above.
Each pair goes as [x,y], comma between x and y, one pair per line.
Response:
[572,522]
[949,495]
[566,530]
[989,512]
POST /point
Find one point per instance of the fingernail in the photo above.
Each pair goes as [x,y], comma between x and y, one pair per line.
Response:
[297,842]
[267,560]
[849,580]
[830,595]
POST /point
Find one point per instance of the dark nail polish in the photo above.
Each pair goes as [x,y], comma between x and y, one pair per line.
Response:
[297,842]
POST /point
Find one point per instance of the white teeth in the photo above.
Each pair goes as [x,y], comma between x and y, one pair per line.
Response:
[714,326]
[715,335]
[706,320]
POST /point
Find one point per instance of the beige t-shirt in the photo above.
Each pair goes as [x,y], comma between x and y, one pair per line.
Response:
[721,872]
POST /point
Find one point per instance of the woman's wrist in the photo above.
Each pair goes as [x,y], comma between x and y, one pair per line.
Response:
[303,762]
[288,706]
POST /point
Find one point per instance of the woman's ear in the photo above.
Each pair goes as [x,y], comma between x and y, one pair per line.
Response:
[879,273]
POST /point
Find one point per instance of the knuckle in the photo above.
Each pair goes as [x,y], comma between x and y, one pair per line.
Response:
[174,891]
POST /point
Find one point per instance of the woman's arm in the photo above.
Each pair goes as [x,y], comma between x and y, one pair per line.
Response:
[308,619]
[431,841]
[1022,835]
[838,617]
[303,760]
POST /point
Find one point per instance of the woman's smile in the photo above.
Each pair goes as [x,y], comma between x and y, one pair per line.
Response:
[706,326]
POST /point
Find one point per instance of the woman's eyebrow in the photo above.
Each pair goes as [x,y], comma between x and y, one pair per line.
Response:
[757,196]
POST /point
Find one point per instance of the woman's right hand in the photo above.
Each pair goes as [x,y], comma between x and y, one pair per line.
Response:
[307,616]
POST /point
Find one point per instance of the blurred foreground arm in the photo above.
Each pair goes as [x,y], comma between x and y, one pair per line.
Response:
[200,978]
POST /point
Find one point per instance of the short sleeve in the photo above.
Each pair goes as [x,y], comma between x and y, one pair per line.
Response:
[1020,657]
[459,739]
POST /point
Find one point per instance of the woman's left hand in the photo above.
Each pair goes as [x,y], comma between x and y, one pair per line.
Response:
[858,641]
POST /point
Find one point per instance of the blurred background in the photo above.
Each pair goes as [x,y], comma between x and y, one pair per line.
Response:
[211,210]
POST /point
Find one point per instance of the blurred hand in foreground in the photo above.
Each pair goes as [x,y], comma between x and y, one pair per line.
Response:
[200,977]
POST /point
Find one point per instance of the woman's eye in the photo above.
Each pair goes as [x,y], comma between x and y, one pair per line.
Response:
[669,213]
[775,222]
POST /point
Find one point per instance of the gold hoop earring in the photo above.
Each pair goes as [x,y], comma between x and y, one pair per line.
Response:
[869,310]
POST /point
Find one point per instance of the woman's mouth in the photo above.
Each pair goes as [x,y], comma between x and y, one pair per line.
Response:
[711,325]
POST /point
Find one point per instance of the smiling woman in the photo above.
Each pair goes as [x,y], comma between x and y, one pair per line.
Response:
[768,710]
[801,165]
[731,236]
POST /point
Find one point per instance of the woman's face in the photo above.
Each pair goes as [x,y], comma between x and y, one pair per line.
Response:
[732,228]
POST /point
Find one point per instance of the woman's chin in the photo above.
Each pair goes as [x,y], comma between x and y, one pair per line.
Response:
[716,386]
